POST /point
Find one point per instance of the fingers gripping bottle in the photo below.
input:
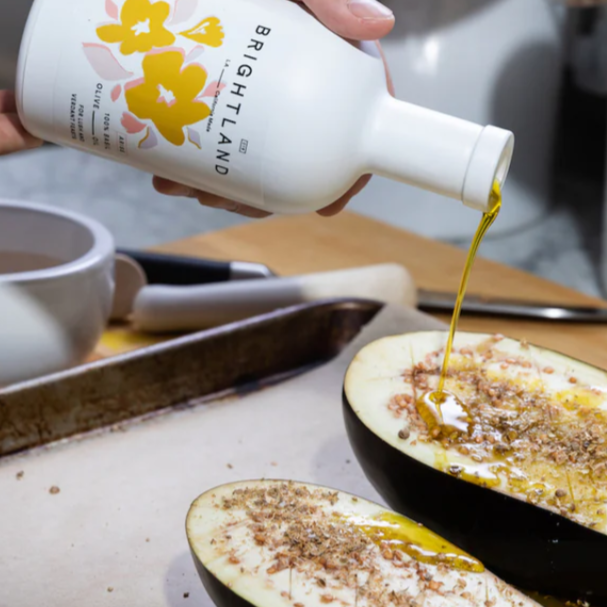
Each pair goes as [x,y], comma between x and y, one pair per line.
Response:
[253,100]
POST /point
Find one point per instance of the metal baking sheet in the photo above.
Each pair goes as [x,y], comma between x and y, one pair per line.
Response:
[235,359]
[100,521]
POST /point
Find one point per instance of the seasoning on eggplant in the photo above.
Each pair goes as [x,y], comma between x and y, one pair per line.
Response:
[275,543]
[510,462]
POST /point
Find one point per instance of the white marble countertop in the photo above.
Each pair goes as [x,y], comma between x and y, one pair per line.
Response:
[563,246]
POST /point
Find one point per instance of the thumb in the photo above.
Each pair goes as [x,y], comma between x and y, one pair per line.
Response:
[354,19]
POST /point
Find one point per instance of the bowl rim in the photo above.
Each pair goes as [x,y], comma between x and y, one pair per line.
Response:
[103,244]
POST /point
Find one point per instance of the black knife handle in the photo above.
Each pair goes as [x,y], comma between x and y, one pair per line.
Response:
[177,270]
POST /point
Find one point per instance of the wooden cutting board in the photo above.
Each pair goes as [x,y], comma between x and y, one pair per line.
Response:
[303,244]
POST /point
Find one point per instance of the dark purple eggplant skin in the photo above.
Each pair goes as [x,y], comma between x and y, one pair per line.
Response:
[220,594]
[525,545]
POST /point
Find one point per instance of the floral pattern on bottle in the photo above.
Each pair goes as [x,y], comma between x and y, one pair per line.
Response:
[141,28]
[166,96]
[208,32]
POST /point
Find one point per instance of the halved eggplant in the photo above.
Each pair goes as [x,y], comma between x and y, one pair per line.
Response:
[286,544]
[510,465]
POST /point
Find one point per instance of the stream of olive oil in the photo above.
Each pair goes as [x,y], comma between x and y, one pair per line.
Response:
[440,408]
[487,220]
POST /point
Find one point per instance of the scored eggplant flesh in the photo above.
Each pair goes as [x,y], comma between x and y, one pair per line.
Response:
[281,543]
[510,464]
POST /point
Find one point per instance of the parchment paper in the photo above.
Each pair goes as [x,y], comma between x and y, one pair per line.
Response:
[115,532]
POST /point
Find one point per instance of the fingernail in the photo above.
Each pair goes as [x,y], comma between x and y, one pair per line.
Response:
[369,9]
[181,191]
[230,206]
[222,204]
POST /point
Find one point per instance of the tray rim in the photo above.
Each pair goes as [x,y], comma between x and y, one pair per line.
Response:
[232,360]
[183,340]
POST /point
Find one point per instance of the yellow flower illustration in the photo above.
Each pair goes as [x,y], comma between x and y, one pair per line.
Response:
[141,27]
[167,94]
[209,31]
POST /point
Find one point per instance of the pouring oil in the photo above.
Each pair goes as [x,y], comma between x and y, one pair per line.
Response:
[486,221]
[438,397]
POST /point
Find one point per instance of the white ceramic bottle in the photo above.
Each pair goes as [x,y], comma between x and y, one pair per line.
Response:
[253,100]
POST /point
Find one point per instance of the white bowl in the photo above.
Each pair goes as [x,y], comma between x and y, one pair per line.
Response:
[51,317]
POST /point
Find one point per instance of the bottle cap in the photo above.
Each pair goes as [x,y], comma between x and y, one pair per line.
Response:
[440,153]
[490,162]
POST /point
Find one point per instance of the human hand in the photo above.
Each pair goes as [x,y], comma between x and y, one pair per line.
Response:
[351,19]
[13,137]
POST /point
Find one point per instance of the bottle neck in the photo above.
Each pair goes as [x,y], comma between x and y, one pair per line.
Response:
[437,152]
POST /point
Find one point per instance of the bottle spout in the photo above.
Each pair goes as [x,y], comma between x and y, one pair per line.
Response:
[436,152]
[489,163]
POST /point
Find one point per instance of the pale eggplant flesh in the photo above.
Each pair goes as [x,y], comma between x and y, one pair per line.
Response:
[512,467]
[268,543]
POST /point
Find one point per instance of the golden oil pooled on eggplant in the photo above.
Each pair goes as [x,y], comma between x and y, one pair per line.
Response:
[500,425]
[444,414]
[392,531]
